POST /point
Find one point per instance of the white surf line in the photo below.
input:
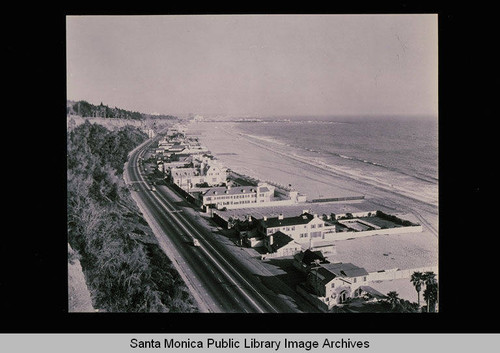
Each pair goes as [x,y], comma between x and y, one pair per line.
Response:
[339,173]
[215,261]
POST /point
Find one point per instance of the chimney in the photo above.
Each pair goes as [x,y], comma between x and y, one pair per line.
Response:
[280,216]
[265,218]
[228,187]
[271,239]
[305,211]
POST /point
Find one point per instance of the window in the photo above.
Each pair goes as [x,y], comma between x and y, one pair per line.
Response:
[354,279]
[332,285]
[313,225]
[315,234]
[364,279]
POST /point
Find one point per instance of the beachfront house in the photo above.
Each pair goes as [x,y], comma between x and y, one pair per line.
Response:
[252,238]
[214,174]
[279,244]
[333,283]
[304,229]
[184,177]
[188,178]
[236,196]
[304,261]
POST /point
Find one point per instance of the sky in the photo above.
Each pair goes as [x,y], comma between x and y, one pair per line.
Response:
[256,65]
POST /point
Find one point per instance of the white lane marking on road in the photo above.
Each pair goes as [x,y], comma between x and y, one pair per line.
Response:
[163,202]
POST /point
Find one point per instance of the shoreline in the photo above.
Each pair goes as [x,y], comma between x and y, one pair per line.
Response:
[380,252]
[260,160]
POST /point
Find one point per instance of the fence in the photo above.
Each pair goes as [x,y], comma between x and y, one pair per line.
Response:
[331,199]
[395,273]
[287,202]
[351,235]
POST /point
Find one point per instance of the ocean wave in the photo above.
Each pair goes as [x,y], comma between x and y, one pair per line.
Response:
[264,139]
[425,193]
[416,175]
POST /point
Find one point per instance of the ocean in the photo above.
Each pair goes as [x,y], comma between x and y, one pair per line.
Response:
[397,153]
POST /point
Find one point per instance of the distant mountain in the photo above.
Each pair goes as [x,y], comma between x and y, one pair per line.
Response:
[86,109]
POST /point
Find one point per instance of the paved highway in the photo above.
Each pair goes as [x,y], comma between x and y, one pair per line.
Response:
[221,282]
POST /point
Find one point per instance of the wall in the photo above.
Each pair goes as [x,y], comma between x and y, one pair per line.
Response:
[259,204]
[290,249]
[395,273]
[220,221]
[348,235]
[255,243]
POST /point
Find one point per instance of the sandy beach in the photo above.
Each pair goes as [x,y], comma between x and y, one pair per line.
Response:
[261,159]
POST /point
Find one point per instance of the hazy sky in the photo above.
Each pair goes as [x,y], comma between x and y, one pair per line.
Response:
[256,65]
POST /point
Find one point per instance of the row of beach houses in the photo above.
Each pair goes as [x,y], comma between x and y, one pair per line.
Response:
[306,236]
[190,166]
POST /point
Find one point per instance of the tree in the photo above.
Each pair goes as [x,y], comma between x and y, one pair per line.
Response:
[125,272]
[417,278]
[430,296]
[393,299]
[431,290]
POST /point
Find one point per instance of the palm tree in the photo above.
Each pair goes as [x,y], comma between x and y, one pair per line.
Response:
[393,299]
[430,295]
[429,277]
[431,289]
[417,278]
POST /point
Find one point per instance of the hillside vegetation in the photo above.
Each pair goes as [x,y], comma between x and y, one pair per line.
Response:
[86,109]
[125,269]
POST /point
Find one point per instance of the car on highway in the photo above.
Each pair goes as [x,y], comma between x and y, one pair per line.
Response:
[190,239]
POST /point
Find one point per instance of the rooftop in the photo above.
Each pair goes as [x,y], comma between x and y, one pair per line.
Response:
[279,240]
[287,221]
[178,172]
[309,256]
[221,190]
[345,269]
